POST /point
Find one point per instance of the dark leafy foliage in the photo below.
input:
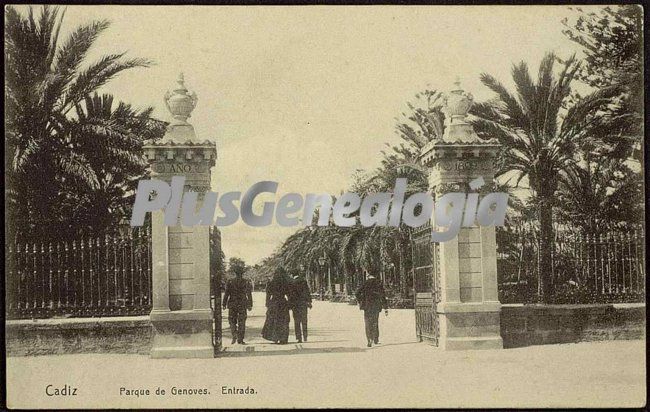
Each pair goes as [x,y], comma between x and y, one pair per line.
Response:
[542,132]
[72,158]
[612,41]
[236,266]
[595,195]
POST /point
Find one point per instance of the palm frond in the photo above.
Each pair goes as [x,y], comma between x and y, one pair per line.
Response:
[73,51]
[511,107]
[76,166]
[95,76]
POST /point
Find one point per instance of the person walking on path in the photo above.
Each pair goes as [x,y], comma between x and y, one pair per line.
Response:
[372,299]
[276,326]
[238,298]
[300,302]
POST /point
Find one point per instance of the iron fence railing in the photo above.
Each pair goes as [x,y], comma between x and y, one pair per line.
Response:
[107,275]
[607,267]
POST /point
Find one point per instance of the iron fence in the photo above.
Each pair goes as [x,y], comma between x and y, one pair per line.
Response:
[107,275]
[586,268]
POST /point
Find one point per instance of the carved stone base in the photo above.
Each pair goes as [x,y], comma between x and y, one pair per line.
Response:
[182,334]
[468,326]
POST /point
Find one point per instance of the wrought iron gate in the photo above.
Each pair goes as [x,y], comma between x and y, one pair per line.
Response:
[215,290]
[215,300]
[426,285]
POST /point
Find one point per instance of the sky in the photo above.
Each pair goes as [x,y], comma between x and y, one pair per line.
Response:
[306,95]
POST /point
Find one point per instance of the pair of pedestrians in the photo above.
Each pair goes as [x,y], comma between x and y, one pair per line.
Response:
[284,294]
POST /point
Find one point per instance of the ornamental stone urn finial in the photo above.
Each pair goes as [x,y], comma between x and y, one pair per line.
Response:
[458,103]
[180,103]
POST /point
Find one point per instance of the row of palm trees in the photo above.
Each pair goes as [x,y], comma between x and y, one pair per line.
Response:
[573,156]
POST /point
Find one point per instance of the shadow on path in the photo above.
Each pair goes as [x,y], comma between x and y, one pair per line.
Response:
[250,351]
[397,344]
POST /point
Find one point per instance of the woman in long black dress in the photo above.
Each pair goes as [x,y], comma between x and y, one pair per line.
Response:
[276,326]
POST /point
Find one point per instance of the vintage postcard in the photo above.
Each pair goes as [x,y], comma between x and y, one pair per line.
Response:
[316,206]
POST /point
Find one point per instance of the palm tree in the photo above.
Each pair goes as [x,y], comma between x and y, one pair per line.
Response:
[540,131]
[111,139]
[45,88]
[596,195]
[423,123]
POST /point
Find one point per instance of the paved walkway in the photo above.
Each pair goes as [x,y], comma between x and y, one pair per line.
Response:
[333,327]
[336,369]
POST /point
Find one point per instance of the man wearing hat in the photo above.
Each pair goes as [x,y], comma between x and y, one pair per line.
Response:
[238,299]
[300,302]
[372,299]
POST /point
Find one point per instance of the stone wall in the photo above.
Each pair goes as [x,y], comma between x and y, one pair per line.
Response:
[521,325]
[525,325]
[78,335]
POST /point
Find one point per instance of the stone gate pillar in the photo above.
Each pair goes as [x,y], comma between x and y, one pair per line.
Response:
[469,308]
[181,315]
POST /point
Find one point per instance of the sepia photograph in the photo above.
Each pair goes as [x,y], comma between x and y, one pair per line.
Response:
[324,206]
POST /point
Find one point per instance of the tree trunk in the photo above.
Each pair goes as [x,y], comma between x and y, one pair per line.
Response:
[402,274]
[330,285]
[546,245]
[349,281]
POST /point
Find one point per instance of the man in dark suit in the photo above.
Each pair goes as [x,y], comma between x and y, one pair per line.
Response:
[299,302]
[238,298]
[372,299]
